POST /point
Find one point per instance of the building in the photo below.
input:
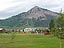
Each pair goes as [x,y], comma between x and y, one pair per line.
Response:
[2,30]
[29,29]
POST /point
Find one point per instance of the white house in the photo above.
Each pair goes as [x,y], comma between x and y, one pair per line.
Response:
[2,29]
[29,29]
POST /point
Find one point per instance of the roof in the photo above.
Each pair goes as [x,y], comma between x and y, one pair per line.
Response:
[1,28]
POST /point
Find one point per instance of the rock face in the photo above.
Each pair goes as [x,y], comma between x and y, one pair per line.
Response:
[39,12]
[37,17]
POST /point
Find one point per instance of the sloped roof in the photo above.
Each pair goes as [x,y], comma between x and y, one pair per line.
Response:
[1,28]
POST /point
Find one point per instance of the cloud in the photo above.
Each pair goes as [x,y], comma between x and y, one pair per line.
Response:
[11,7]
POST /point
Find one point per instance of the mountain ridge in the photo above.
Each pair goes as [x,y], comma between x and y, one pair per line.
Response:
[36,17]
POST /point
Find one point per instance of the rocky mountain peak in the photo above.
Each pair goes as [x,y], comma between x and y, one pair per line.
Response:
[37,12]
[38,17]
[35,9]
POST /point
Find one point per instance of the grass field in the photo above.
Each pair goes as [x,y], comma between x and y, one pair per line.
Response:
[29,41]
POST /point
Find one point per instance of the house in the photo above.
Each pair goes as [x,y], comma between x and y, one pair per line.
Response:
[29,29]
[46,32]
[2,30]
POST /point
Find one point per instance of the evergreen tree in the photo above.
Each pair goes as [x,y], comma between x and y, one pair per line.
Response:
[60,20]
[51,25]
[60,24]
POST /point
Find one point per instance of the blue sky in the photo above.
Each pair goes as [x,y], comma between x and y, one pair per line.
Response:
[9,8]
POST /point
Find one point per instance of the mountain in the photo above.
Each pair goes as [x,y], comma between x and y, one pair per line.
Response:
[35,17]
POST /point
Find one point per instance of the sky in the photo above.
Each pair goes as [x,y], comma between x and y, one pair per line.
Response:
[10,8]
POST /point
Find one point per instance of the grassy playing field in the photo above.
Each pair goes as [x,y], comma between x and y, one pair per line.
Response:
[29,41]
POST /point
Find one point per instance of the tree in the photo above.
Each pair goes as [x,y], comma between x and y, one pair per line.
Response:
[52,25]
[60,25]
[60,20]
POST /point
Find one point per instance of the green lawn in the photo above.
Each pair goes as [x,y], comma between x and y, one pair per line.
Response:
[29,41]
